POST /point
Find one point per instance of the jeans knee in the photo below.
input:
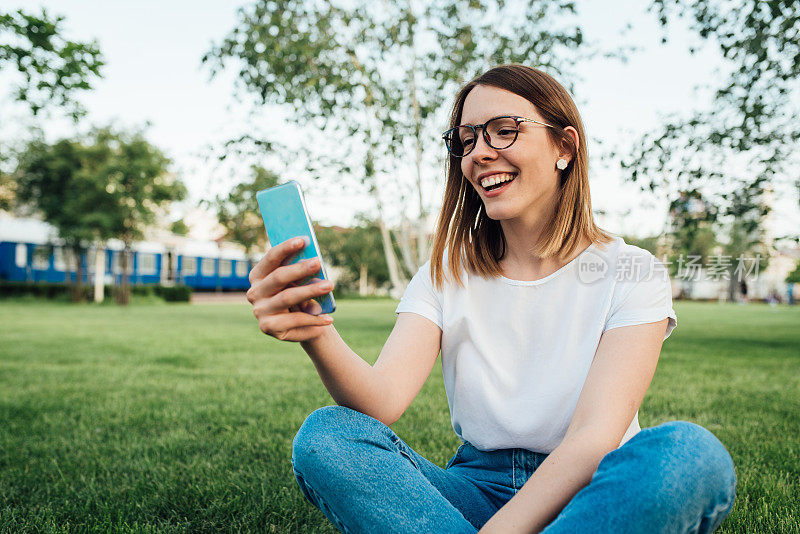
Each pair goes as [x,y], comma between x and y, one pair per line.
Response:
[698,457]
[322,434]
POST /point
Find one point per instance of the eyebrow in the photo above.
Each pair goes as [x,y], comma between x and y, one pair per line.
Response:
[487,120]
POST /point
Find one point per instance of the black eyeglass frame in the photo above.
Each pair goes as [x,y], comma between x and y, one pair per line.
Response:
[447,136]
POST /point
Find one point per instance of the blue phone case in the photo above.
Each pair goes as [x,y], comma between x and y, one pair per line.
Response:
[283,209]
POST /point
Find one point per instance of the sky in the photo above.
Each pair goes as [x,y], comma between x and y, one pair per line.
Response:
[154,76]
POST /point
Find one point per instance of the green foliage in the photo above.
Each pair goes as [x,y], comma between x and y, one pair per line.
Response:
[179,228]
[137,179]
[649,243]
[176,293]
[45,290]
[692,231]
[60,291]
[326,58]
[109,184]
[105,185]
[238,212]
[54,70]
[59,182]
[372,75]
[54,181]
[355,249]
[371,79]
[759,39]
[744,228]
[743,145]
[794,276]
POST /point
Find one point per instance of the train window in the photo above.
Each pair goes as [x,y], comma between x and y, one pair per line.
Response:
[147,264]
[225,268]
[91,259]
[241,268]
[207,267]
[58,259]
[41,257]
[117,262]
[188,266]
[21,255]
[63,259]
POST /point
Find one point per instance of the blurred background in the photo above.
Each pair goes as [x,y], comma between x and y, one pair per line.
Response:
[133,136]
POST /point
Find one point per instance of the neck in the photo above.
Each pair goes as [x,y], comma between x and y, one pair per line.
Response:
[523,233]
[520,261]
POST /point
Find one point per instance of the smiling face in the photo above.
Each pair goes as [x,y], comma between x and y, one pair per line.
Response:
[527,166]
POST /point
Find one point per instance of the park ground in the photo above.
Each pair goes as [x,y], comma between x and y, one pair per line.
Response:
[179,418]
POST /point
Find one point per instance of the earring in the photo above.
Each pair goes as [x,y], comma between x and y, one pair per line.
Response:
[561,164]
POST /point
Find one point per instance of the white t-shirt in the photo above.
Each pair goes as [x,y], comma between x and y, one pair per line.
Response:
[515,354]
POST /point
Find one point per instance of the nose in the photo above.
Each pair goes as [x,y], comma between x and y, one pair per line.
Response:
[482,151]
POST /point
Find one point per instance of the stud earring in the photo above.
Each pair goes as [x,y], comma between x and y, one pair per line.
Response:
[561,164]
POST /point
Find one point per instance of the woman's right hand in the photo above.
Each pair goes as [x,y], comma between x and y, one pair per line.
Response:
[277,302]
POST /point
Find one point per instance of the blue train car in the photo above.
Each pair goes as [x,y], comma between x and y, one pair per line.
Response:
[33,262]
[206,266]
[31,252]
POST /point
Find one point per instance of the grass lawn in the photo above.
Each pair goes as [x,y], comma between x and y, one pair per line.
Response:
[180,418]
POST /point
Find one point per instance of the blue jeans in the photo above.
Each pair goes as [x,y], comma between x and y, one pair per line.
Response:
[675,477]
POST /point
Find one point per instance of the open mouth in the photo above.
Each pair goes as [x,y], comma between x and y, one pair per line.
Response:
[496,181]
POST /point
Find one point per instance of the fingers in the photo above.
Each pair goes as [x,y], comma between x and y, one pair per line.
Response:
[282,326]
[289,297]
[285,309]
[311,306]
[283,278]
[275,257]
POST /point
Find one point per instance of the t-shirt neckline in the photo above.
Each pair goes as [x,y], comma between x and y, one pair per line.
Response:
[550,276]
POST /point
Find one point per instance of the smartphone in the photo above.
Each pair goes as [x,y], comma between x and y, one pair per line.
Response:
[285,215]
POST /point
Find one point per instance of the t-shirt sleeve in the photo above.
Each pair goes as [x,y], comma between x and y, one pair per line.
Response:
[645,296]
[421,298]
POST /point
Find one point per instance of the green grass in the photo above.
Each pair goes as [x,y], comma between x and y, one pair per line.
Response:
[180,418]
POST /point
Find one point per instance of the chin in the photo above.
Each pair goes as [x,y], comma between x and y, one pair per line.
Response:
[497,214]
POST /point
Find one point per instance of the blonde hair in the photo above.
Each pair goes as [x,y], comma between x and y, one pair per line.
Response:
[464,229]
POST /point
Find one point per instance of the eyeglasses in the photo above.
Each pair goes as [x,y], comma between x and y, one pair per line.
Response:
[498,132]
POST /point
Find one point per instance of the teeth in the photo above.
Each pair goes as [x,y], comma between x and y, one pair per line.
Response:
[496,179]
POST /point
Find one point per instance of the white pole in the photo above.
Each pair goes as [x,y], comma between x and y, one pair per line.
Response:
[99,274]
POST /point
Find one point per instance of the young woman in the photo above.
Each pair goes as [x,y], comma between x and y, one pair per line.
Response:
[549,330]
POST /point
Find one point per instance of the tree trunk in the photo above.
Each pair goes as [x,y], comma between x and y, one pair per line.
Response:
[398,284]
[423,247]
[362,280]
[99,274]
[422,241]
[124,293]
[77,288]
[404,240]
[732,286]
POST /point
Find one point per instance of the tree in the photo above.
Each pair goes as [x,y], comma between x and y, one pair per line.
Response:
[51,69]
[691,230]
[179,228]
[359,251]
[372,76]
[745,143]
[744,231]
[794,276]
[648,243]
[138,182]
[58,181]
[238,212]
[54,69]
[108,184]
